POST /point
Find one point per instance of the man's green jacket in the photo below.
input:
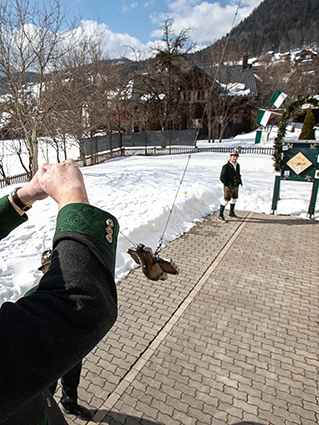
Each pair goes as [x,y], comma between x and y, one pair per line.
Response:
[45,334]
[230,176]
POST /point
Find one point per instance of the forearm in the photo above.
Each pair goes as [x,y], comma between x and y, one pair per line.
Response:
[24,197]
[56,326]
[9,217]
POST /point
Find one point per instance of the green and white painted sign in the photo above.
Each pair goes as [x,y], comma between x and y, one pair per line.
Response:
[300,162]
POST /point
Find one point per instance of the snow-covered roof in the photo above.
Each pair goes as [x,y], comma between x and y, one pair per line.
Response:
[236,89]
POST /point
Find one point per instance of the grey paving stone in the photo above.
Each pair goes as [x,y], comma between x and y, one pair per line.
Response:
[242,347]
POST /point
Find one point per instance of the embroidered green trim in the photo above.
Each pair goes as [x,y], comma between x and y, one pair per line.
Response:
[10,219]
[46,418]
[30,291]
[84,218]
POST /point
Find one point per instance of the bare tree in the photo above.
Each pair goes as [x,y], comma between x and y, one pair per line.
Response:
[286,75]
[158,85]
[303,81]
[271,76]
[230,98]
[3,173]
[33,40]
[84,91]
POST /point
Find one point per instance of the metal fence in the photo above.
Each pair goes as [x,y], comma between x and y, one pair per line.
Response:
[149,151]
[144,139]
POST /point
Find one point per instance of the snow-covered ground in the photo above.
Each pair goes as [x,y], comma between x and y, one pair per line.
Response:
[140,192]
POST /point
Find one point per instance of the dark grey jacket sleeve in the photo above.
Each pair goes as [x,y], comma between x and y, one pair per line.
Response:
[44,334]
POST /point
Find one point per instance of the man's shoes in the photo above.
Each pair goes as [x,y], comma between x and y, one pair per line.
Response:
[233,215]
[79,411]
[222,218]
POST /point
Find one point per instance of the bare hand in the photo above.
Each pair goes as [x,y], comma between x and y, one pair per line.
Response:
[63,182]
[29,193]
[32,191]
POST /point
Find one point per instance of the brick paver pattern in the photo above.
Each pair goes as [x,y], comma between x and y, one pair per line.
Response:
[233,339]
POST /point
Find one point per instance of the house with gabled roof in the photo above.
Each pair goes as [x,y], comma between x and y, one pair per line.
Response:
[222,99]
[307,58]
[216,103]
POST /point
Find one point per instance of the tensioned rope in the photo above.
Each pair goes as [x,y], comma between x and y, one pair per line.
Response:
[160,242]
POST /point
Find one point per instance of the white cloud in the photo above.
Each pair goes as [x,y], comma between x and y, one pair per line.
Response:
[116,45]
[250,3]
[127,7]
[149,4]
[209,20]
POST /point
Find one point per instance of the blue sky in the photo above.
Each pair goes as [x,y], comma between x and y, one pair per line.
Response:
[137,23]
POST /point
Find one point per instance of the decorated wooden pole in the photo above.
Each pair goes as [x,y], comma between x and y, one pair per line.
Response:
[296,160]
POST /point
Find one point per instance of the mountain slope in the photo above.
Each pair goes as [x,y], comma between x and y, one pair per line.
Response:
[277,25]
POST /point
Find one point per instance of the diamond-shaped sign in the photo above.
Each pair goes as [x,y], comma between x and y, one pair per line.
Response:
[299,163]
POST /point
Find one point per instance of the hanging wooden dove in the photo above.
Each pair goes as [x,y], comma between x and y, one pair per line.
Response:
[154,267]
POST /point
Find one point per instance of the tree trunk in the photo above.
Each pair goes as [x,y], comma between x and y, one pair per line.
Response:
[64,148]
[2,172]
[34,154]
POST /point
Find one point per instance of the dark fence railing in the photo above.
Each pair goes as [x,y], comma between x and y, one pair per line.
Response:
[146,139]
[149,151]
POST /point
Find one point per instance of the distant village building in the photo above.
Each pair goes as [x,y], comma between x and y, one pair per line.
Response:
[226,96]
[307,59]
[215,103]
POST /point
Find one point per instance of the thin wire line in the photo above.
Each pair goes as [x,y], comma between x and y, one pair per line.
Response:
[221,60]
[126,238]
[160,242]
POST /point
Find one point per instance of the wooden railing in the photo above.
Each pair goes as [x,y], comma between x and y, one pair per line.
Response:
[178,150]
[154,151]
[19,178]
[250,149]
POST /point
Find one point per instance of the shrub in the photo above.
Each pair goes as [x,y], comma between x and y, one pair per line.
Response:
[308,131]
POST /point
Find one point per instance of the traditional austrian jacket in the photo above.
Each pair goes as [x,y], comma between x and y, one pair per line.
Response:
[230,176]
[45,334]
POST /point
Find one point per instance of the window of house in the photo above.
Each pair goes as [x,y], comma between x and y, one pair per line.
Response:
[238,119]
[195,123]
[186,96]
[200,95]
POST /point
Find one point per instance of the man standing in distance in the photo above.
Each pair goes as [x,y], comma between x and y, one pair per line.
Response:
[231,179]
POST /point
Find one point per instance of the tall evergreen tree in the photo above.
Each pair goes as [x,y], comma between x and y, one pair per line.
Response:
[308,131]
[271,21]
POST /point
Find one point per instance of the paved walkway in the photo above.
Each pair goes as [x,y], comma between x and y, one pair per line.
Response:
[233,339]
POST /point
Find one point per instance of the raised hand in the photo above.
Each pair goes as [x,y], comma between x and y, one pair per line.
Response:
[63,182]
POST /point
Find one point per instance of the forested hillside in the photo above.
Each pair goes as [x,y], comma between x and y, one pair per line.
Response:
[277,25]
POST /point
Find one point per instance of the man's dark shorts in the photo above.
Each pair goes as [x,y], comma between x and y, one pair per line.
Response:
[230,193]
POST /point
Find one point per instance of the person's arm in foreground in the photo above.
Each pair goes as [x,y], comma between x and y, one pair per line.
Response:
[11,215]
[44,334]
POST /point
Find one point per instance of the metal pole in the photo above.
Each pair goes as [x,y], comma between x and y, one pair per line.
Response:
[275,195]
[313,199]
